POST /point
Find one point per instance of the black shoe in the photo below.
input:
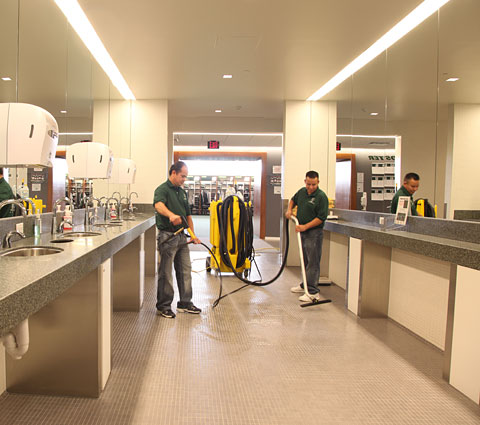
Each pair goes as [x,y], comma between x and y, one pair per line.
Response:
[169,314]
[189,309]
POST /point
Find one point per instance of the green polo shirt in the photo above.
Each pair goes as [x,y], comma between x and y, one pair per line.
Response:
[402,192]
[175,199]
[5,193]
[311,206]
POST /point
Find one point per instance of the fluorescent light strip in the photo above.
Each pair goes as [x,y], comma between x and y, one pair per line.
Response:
[228,134]
[82,26]
[414,18]
[366,136]
[178,148]
[75,134]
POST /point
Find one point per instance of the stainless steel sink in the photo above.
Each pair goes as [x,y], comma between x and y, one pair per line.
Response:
[61,240]
[31,251]
[108,224]
[80,234]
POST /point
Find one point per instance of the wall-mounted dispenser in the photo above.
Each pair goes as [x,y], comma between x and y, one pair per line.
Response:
[89,160]
[124,171]
[28,135]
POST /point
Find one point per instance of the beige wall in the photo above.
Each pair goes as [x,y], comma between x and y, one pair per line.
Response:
[137,130]
[463,158]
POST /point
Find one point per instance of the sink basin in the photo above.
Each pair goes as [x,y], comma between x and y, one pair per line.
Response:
[31,251]
[108,224]
[80,234]
[62,240]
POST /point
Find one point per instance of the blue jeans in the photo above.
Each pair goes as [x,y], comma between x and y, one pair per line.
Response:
[174,252]
[312,241]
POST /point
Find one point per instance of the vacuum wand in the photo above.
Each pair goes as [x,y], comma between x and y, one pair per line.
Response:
[187,227]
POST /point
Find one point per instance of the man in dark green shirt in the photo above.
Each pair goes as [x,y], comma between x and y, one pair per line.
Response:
[411,182]
[5,193]
[312,211]
[171,204]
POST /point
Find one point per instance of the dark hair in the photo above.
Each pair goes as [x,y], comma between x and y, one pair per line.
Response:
[312,175]
[177,166]
[409,176]
[1,171]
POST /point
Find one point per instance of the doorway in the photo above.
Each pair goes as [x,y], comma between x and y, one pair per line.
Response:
[346,182]
[255,183]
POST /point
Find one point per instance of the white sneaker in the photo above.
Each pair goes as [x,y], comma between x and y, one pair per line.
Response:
[297,289]
[307,298]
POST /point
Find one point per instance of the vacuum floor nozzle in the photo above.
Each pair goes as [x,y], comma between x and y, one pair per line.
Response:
[315,302]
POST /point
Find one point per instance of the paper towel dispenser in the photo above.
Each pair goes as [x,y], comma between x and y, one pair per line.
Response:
[124,171]
[89,160]
[28,135]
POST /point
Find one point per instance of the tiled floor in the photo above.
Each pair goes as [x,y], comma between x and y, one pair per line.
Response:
[258,358]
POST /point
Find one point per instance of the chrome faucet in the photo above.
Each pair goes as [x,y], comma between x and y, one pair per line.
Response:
[16,202]
[131,208]
[32,204]
[55,205]
[87,201]
[6,240]
[121,207]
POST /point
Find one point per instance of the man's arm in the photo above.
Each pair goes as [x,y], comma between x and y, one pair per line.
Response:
[394,204]
[162,209]
[314,223]
[288,214]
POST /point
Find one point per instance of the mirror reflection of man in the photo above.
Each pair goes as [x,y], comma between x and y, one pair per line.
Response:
[411,182]
[5,193]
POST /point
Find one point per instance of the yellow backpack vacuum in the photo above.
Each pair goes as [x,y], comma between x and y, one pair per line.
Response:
[231,234]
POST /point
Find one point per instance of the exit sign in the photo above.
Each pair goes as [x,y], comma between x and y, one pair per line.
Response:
[213,144]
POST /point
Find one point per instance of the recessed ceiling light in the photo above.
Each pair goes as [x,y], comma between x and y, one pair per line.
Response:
[414,18]
[63,112]
[226,76]
[82,26]
[6,79]
[452,79]
[218,110]
[374,114]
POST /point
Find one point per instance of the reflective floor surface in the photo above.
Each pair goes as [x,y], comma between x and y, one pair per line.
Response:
[258,358]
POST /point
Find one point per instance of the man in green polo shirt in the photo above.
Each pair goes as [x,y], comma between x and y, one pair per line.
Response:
[312,211]
[5,193]
[411,182]
[171,204]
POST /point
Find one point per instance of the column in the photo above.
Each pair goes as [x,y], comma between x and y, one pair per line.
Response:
[309,144]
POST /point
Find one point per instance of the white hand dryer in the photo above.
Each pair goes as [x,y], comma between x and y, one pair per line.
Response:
[89,160]
[28,135]
[124,171]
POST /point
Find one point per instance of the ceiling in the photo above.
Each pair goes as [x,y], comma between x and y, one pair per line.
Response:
[275,49]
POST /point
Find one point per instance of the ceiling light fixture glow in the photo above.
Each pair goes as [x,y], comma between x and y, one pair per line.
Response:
[6,79]
[76,134]
[82,26]
[227,76]
[452,79]
[218,110]
[63,112]
[366,136]
[414,18]
[228,149]
[373,114]
[227,134]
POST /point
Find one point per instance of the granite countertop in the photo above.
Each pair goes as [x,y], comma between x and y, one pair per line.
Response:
[453,251]
[29,283]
